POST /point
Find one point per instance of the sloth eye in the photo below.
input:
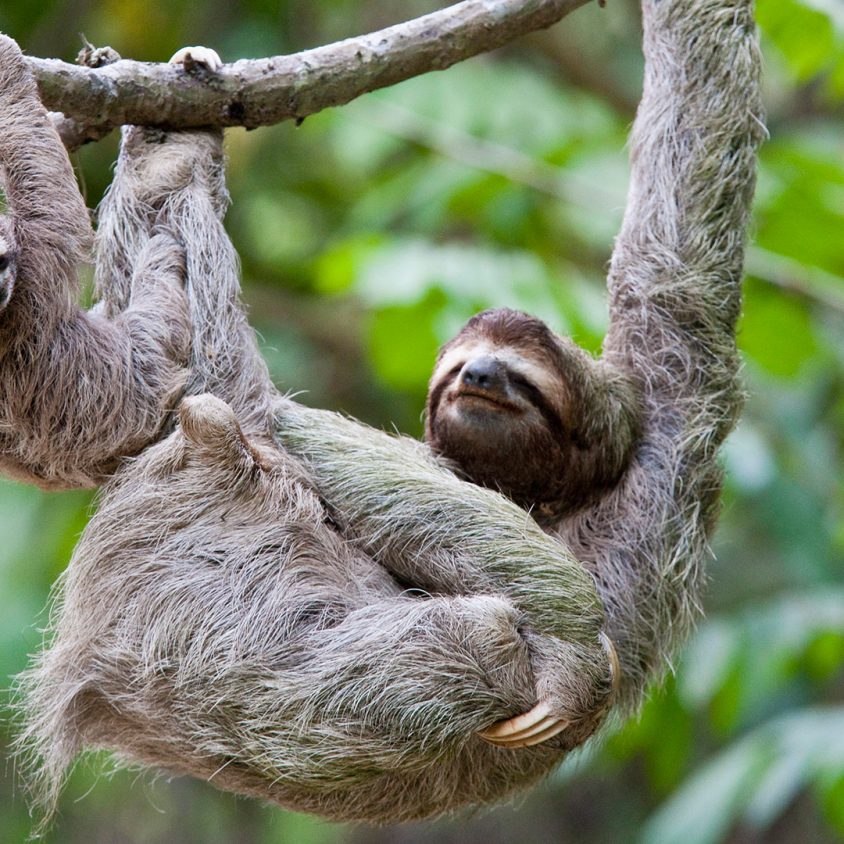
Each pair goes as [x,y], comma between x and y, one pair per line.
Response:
[4,262]
[521,381]
[527,388]
[455,369]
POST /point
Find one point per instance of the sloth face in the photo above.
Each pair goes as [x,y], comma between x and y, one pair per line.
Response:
[500,406]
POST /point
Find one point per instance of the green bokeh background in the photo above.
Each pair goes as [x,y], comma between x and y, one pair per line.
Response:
[368,235]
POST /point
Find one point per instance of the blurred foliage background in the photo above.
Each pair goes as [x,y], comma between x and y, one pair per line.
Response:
[368,235]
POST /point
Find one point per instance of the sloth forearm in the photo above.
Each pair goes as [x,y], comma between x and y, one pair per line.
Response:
[677,263]
[435,531]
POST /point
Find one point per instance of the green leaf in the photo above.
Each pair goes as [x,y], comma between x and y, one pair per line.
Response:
[403,341]
[805,36]
[832,800]
[703,810]
[754,780]
[777,333]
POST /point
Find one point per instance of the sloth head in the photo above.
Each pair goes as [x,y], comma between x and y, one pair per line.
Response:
[8,268]
[519,409]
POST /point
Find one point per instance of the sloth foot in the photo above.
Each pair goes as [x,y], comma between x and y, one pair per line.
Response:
[539,724]
[532,727]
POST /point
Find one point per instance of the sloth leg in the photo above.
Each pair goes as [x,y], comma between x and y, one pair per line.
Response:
[175,183]
[147,175]
[155,318]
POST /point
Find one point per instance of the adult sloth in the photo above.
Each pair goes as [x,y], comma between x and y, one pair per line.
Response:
[371,711]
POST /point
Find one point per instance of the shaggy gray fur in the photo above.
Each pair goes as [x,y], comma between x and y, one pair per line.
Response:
[77,390]
[177,182]
[216,621]
[675,296]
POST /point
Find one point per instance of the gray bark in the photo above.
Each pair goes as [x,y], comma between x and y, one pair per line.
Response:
[261,92]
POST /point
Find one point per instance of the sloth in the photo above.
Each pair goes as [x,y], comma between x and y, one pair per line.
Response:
[516,408]
[78,390]
[300,608]
[309,671]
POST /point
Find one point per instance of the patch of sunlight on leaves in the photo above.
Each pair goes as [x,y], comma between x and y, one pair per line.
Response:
[598,190]
[338,266]
[740,665]
[662,734]
[754,780]
[361,145]
[831,790]
[39,531]
[280,226]
[415,196]
[777,333]
[702,811]
[710,656]
[748,458]
[572,140]
[403,343]
[540,116]
[808,34]
[799,209]
[403,271]
[825,654]
[831,8]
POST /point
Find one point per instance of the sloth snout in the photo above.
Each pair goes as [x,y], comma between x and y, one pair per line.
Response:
[485,373]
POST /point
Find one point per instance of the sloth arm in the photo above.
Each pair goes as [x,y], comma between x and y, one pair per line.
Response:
[79,391]
[675,296]
[438,534]
[434,531]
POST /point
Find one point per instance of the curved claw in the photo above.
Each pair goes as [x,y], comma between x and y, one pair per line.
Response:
[532,727]
[538,724]
[612,657]
[193,57]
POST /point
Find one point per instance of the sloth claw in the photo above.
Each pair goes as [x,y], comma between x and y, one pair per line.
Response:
[538,724]
[532,727]
[612,658]
[198,57]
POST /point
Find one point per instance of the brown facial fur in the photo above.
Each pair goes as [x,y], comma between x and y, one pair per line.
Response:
[550,427]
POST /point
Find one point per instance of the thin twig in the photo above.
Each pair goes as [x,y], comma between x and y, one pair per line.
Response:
[816,285]
[486,156]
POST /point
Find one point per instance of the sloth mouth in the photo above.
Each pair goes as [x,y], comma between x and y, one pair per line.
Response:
[476,395]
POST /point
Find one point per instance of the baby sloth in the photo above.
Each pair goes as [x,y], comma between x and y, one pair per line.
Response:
[521,410]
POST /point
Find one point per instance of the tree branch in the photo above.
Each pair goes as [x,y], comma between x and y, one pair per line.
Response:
[260,92]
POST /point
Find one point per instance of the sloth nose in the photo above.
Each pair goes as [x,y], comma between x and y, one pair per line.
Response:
[485,373]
